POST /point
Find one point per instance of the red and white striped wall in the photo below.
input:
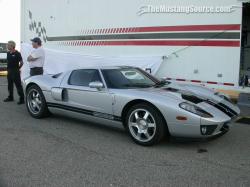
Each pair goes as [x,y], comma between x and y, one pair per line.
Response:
[200,82]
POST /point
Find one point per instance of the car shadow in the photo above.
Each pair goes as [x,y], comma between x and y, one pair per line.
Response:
[119,130]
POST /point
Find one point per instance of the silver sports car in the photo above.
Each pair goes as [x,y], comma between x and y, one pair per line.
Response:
[148,108]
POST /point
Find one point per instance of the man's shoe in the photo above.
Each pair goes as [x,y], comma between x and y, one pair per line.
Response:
[8,99]
[20,102]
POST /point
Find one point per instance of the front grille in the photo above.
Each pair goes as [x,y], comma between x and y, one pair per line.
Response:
[224,108]
[208,129]
[224,128]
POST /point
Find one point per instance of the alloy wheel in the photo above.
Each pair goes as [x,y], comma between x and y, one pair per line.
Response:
[142,125]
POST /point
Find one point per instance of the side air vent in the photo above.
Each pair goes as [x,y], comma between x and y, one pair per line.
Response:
[56,75]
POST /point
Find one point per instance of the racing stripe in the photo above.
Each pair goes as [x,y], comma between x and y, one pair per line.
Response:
[148,36]
[84,111]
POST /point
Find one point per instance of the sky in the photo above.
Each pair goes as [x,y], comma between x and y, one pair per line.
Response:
[10,21]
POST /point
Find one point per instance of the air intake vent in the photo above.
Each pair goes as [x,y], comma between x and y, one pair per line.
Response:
[56,75]
[171,89]
[192,98]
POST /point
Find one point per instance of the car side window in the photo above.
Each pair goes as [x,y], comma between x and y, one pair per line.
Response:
[83,77]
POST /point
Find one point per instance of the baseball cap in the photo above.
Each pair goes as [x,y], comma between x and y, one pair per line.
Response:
[37,40]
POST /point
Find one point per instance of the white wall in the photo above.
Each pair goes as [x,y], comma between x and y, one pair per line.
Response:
[69,17]
[10,21]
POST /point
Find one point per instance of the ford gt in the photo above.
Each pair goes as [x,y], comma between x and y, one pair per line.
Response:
[149,109]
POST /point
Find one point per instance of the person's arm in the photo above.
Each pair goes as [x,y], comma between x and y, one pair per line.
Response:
[20,64]
[34,56]
[20,61]
[31,58]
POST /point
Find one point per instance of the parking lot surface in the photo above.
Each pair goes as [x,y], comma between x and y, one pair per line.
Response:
[60,151]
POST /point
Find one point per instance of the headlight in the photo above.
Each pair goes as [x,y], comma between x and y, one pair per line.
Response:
[195,110]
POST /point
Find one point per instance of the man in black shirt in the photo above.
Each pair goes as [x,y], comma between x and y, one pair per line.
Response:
[14,64]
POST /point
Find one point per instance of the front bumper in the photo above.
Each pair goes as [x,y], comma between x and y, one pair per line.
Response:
[195,130]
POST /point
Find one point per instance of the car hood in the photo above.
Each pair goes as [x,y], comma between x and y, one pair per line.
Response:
[205,93]
[190,93]
[200,91]
[178,91]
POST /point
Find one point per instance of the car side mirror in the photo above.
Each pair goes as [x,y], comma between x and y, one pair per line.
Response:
[98,85]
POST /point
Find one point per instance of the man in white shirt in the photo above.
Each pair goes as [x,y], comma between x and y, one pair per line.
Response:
[36,58]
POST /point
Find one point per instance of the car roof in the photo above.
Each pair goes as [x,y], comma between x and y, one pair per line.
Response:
[106,67]
[115,67]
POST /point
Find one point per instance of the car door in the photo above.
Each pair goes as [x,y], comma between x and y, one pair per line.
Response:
[82,98]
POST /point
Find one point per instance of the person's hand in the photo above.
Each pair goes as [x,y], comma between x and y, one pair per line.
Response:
[20,64]
[30,58]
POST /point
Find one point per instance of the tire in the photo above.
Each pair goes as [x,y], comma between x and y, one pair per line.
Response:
[36,103]
[145,124]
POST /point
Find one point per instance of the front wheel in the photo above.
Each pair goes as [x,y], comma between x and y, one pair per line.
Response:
[145,124]
[36,103]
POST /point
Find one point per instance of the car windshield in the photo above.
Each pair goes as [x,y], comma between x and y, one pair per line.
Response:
[125,78]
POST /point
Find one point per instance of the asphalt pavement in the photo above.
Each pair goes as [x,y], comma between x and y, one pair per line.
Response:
[59,151]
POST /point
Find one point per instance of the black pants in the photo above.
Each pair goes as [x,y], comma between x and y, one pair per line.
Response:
[14,77]
[36,71]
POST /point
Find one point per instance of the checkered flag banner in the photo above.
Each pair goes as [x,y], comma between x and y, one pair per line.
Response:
[37,27]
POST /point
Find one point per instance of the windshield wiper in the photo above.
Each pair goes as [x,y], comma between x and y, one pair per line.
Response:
[137,85]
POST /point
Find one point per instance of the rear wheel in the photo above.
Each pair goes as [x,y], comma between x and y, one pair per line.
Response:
[145,124]
[36,103]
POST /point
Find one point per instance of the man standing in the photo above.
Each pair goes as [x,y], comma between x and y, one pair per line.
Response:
[36,58]
[14,64]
